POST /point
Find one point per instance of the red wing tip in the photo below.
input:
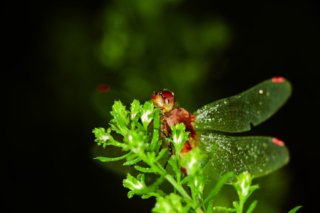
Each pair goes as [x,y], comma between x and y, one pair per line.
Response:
[103,88]
[278,79]
[277,142]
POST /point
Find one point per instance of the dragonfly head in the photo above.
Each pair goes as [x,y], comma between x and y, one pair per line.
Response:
[164,100]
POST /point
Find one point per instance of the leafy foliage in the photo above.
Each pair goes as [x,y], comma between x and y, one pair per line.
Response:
[136,133]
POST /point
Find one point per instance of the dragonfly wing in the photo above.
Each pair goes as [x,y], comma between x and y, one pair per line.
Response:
[251,107]
[258,155]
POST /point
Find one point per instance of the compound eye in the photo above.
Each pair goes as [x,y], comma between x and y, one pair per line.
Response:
[166,100]
[167,94]
[168,97]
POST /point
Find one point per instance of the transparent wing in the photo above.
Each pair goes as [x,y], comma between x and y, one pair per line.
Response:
[252,107]
[258,155]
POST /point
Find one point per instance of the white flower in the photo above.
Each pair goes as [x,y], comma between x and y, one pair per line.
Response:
[177,139]
[105,137]
[145,117]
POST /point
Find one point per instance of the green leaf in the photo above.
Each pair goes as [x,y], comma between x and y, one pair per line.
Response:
[135,110]
[295,209]
[161,154]
[155,141]
[107,159]
[174,165]
[224,209]
[252,206]
[132,161]
[120,120]
[252,107]
[209,208]
[144,169]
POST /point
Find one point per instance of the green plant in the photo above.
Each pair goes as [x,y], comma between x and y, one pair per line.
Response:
[179,180]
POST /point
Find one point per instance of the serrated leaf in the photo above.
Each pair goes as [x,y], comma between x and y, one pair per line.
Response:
[120,120]
[135,110]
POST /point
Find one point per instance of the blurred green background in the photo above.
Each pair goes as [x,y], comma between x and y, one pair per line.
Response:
[60,53]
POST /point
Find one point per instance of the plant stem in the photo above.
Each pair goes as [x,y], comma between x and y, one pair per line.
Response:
[177,186]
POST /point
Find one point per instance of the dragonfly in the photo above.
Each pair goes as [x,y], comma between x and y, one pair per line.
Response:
[214,127]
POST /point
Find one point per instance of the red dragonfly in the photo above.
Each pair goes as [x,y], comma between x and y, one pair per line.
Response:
[211,128]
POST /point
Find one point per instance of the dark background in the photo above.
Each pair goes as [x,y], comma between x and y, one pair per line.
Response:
[50,114]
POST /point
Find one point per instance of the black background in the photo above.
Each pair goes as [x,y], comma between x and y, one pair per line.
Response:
[48,162]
